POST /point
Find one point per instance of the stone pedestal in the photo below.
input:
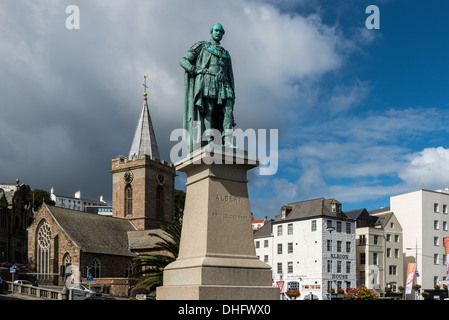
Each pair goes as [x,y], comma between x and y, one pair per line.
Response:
[217,258]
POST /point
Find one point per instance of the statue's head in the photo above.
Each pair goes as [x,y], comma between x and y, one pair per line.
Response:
[217,32]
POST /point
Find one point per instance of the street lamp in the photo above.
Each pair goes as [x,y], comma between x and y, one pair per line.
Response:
[330,229]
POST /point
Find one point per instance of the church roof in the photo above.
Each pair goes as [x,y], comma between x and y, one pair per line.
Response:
[144,141]
[95,233]
[141,239]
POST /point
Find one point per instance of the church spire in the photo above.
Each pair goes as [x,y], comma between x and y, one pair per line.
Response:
[144,141]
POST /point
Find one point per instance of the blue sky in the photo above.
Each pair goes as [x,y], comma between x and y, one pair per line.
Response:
[361,113]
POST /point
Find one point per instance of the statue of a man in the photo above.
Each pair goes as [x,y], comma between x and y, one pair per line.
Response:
[209,91]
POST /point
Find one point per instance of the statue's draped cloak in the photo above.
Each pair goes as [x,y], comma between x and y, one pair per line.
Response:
[195,85]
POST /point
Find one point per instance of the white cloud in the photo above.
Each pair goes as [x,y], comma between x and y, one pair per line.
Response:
[427,169]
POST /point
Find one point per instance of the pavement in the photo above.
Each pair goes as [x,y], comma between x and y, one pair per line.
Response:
[14,296]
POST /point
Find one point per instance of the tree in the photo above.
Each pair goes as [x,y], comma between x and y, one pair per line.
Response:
[150,266]
[179,201]
[37,197]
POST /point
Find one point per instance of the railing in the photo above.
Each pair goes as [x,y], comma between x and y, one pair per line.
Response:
[38,292]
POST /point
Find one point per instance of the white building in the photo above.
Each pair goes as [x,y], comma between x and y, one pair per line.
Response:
[311,247]
[258,223]
[424,217]
[76,202]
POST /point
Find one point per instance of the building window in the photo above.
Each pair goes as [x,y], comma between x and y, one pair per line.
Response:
[95,268]
[159,200]
[436,208]
[313,225]
[265,258]
[388,237]
[279,230]
[362,239]
[257,244]
[43,250]
[265,243]
[290,267]
[290,228]
[375,239]
[375,255]
[445,225]
[338,246]
[436,241]
[388,252]
[348,266]
[329,266]
[436,259]
[396,253]
[329,245]
[329,223]
[362,258]
[279,270]
[338,266]
[279,248]
[338,226]
[348,228]
[293,285]
[445,208]
[396,238]
[67,260]
[348,246]
[290,247]
[436,225]
[128,200]
[392,270]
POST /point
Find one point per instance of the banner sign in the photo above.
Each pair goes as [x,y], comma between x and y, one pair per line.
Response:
[410,275]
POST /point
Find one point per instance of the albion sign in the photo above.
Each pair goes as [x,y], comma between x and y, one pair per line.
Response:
[339,256]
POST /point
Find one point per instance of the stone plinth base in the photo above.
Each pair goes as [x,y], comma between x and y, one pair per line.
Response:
[217,258]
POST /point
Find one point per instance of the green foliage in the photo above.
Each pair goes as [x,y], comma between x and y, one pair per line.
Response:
[150,266]
[38,196]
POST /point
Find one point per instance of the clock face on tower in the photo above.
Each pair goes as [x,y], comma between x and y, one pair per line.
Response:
[128,176]
[160,178]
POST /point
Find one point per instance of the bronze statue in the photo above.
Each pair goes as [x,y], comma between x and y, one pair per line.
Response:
[209,91]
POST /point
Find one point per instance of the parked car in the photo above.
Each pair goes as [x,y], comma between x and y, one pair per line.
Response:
[81,289]
[23,282]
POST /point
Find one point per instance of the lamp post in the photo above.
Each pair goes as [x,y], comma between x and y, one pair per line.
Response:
[330,229]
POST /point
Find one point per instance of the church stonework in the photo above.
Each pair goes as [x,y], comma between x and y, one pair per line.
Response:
[143,191]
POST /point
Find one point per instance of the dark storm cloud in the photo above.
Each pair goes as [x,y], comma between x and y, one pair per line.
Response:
[70,99]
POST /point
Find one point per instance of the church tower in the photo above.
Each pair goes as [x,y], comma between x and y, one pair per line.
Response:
[142,184]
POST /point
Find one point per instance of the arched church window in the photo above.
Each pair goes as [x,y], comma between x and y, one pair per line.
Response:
[43,250]
[67,260]
[128,200]
[95,270]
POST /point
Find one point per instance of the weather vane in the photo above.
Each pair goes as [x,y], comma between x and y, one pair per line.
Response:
[145,84]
